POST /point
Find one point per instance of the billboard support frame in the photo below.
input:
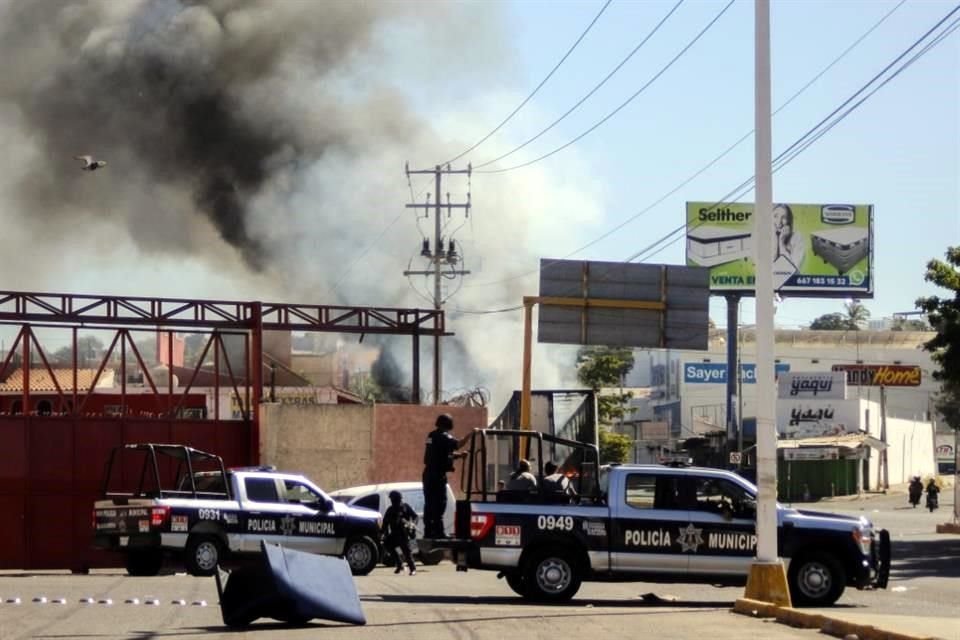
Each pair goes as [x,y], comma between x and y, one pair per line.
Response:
[584,303]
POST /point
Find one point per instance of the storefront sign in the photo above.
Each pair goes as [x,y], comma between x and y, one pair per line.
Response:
[881,375]
[716,372]
[824,384]
[812,453]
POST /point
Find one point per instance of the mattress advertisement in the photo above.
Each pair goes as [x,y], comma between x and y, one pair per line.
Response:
[820,250]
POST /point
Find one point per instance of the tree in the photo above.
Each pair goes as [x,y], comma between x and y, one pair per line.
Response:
[605,367]
[855,315]
[944,316]
[830,322]
[902,324]
[89,349]
[614,447]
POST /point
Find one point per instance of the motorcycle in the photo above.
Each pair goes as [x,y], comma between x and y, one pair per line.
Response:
[915,493]
[932,502]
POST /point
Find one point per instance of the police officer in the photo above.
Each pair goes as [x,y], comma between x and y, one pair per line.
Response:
[399,527]
[438,457]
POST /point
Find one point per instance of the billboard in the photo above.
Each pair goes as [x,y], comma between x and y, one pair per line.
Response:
[623,304]
[820,250]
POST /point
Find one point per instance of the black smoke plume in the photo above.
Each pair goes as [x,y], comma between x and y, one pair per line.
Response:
[197,97]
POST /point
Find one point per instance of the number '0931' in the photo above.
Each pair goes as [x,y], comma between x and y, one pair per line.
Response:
[555,523]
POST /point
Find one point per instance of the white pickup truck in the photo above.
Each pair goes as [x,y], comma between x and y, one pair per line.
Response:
[209,513]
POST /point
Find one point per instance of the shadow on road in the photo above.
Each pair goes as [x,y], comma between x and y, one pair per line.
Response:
[515,601]
[915,559]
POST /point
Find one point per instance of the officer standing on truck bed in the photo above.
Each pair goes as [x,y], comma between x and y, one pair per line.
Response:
[438,457]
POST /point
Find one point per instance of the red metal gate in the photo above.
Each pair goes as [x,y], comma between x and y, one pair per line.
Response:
[54,440]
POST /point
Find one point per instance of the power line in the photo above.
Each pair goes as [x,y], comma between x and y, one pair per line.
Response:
[808,138]
[710,164]
[623,104]
[537,88]
[819,130]
[591,92]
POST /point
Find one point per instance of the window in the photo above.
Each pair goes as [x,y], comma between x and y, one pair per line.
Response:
[641,491]
[371,501]
[299,493]
[414,499]
[715,495]
[44,408]
[261,490]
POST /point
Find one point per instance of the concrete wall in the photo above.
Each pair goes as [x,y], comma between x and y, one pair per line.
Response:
[330,444]
[911,450]
[339,446]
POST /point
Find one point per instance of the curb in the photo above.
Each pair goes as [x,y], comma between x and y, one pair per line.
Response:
[825,624]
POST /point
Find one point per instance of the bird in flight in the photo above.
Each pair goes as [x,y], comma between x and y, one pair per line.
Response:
[89,164]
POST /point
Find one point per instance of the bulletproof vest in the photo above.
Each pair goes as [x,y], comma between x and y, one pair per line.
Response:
[437,455]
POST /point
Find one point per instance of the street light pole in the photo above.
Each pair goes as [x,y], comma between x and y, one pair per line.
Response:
[768,579]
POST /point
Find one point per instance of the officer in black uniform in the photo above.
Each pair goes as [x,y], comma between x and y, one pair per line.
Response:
[438,457]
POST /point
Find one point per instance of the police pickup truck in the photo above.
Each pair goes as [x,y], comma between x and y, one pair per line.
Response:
[651,523]
[209,513]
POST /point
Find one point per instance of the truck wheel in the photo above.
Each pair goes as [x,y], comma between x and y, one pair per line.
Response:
[144,563]
[361,554]
[816,580]
[432,557]
[551,575]
[203,554]
[515,581]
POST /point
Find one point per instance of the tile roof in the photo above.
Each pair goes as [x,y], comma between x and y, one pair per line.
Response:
[41,381]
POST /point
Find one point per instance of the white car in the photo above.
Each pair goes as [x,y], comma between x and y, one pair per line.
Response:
[376,497]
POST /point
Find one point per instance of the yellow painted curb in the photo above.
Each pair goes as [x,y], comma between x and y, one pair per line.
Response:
[755,608]
[827,625]
[798,618]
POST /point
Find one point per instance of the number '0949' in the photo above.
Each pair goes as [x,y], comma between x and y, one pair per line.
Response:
[555,523]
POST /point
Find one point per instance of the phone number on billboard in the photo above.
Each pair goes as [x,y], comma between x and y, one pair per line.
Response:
[820,281]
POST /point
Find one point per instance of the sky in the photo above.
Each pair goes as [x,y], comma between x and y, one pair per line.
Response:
[898,151]
[289,184]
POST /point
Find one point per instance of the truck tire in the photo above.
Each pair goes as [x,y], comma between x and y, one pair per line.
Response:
[516,583]
[361,554]
[816,579]
[432,557]
[202,554]
[144,562]
[551,575]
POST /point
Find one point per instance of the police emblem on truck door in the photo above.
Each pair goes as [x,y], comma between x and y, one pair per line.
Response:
[726,514]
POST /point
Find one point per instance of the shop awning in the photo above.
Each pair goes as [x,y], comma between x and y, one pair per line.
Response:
[847,441]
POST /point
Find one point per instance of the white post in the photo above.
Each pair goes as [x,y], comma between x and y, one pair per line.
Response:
[763,261]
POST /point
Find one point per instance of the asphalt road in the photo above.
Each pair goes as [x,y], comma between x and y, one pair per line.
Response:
[436,603]
[441,603]
[924,587]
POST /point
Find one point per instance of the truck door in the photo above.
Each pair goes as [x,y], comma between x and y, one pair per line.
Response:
[314,526]
[725,513]
[647,524]
[261,517]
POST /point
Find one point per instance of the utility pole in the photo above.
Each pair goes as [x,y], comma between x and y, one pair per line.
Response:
[438,255]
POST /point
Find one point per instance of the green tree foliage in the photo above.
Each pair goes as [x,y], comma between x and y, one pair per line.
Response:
[603,368]
[89,348]
[856,314]
[944,316]
[614,447]
[902,324]
[853,318]
[830,322]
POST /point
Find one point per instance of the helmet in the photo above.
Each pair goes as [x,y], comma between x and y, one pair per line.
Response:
[395,496]
[444,421]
